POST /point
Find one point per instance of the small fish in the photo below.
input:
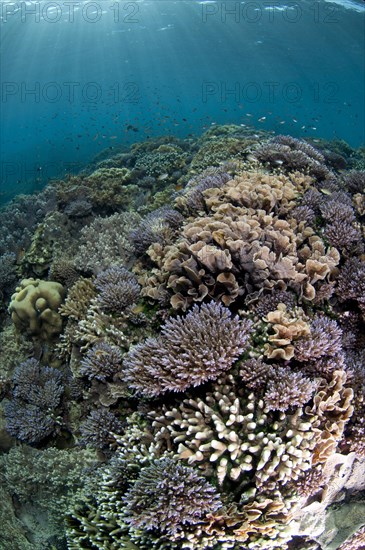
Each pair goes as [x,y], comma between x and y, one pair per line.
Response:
[262,119]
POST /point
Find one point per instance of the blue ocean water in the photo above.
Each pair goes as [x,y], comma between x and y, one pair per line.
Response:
[82,76]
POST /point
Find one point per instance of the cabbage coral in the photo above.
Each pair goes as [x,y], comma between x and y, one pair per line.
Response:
[242,246]
[189,351]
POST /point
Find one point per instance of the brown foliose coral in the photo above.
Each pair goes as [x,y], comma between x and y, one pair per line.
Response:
[243,246]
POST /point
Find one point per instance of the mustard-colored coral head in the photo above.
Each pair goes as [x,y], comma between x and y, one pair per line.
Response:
[34,308]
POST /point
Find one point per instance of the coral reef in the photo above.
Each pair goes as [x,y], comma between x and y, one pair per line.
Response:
[195,374]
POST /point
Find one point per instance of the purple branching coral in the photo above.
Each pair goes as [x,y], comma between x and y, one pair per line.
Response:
[28,422]
[158,226]
[345,237]
[269,302]
[188,352]
[325,339]
[351,283]
[192,199]
[313,199]
[99,429]
[117,289]
[38,385]
[101,362]
[293,154]
[287,389]
[303,213]
[333,210]
[31,414]
[167,496]
[340,231]
[280,387]
[355,181]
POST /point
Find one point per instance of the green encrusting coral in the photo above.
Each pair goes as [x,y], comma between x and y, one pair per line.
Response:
[182,364]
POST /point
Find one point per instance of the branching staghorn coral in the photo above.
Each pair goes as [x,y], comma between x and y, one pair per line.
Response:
[324,338]
[189,351]
[99,429]
[102,361]
[351,283]
[192,199]
[286,389]
[158,226]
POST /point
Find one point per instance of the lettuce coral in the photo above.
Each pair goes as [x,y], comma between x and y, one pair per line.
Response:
[242,247]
